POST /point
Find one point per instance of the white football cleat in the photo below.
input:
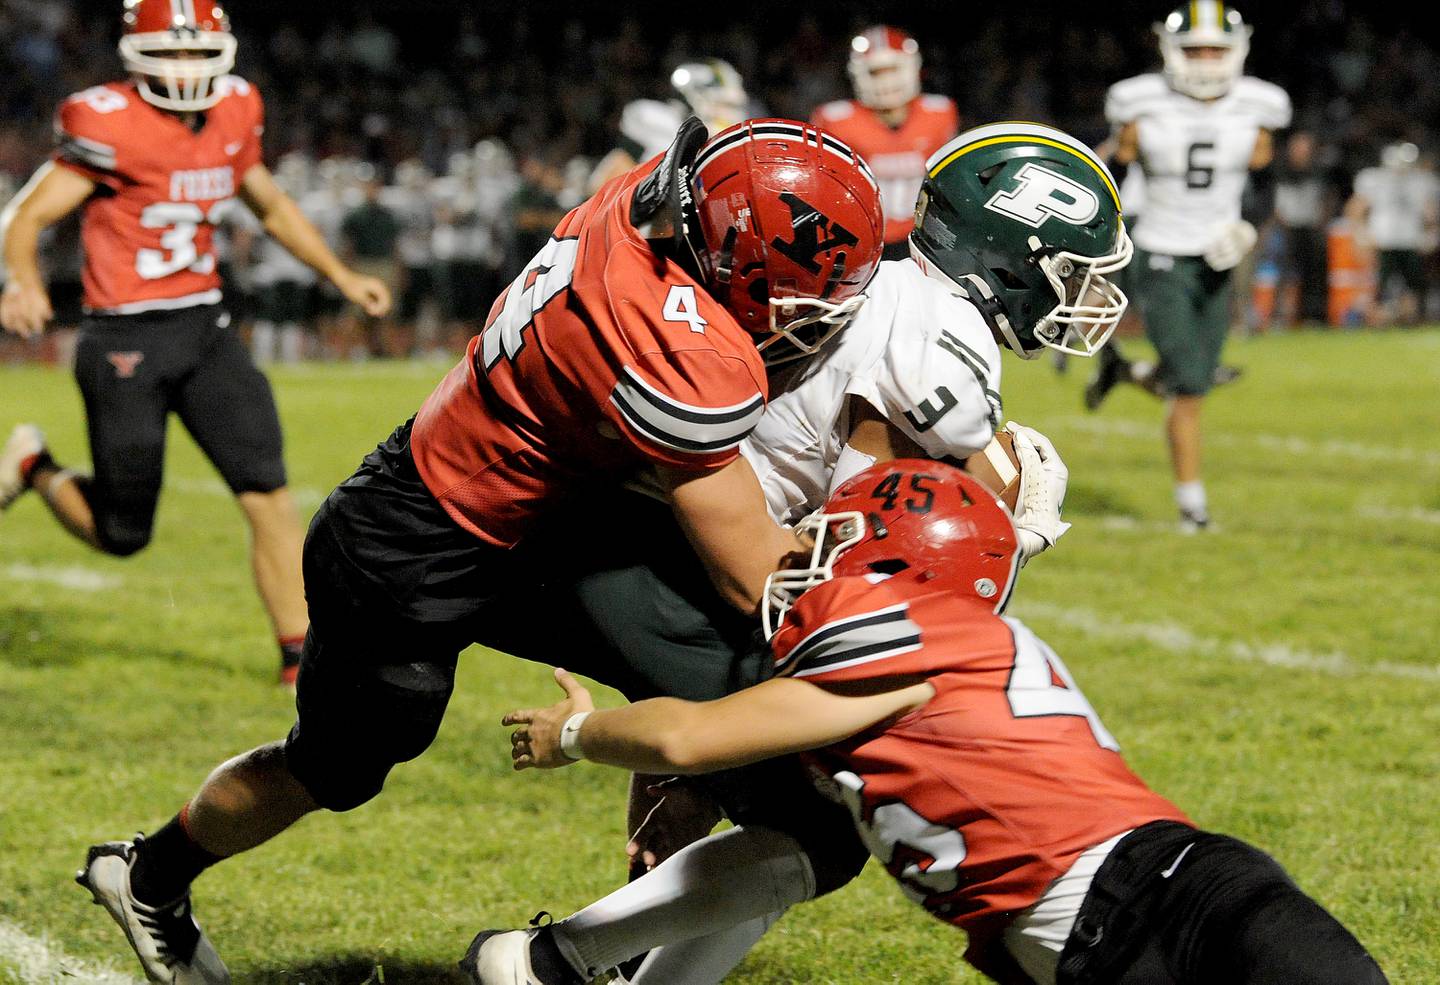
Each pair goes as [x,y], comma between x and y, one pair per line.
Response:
[26,442]
[171,947]
[502,957]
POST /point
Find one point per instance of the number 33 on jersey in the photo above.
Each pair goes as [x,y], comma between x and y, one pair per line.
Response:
[161,186]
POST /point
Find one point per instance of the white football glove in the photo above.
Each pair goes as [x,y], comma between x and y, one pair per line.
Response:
[1043,478]
[1230,247]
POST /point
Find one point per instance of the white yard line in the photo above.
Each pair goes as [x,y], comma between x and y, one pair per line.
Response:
[73,577]
[1289,444]
[1412,514]
[305,496]
[1177,639]
[38,961]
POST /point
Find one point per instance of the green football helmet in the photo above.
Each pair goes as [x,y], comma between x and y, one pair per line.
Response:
[1025,221]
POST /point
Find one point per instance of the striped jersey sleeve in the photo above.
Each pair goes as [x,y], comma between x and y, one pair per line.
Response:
[84,138]
[685,384]
[849,627]
[686,411]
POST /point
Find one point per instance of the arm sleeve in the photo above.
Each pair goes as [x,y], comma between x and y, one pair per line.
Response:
[847,629]
[940,386]
[688,383]
[1119,107]
[1275,108]
[83,141]
[687,409]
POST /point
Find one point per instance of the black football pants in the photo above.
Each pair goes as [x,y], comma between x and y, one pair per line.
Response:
[1176,906]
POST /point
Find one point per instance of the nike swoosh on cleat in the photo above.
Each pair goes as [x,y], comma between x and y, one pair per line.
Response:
[1176,864]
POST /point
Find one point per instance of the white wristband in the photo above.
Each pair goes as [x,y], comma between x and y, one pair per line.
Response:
[570,736]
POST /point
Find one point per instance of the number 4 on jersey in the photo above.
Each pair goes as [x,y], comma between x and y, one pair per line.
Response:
[1040,685]
[681,306]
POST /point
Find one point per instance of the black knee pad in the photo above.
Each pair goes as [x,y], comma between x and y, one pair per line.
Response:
[352,729]
[336,787]
[780,794]
[836,853]
[121,536]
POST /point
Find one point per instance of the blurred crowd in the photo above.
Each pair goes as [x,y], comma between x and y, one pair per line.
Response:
[438,143]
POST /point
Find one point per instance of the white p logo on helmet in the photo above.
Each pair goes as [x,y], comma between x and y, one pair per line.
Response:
[1043,194]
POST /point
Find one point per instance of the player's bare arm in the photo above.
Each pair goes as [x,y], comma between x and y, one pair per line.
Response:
[283,219]
[1127,144]
[776,718]
[51,194]
[1264,152]
[723,514]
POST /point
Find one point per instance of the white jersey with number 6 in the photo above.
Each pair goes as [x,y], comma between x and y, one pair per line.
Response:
[1195,155]
[923,357]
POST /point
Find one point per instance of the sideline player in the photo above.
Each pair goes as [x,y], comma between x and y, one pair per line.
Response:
[635,336]
[1393,211]
[916,372]
[154,162]
[891,123]
[1197,130]
[709,88]
[973,766]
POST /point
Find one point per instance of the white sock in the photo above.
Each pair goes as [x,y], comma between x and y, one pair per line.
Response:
[720,881]
[1190,497]
[292,343]
[703,960]
[262,342]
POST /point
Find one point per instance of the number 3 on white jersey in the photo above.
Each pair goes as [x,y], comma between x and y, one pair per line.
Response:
[681,306]
[1032,690]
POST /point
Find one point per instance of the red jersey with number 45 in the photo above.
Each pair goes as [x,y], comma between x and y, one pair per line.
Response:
[897,155]
[601,356]
[148,229]
[979,800]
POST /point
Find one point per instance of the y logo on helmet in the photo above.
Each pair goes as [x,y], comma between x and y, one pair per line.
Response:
[810,224]
[1042,194]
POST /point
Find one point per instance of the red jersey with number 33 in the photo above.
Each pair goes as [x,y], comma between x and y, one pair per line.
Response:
[979,800]
[897,155]
[148,229]
[601,356]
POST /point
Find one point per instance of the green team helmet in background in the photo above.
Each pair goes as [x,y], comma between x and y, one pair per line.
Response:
[1025,221]
[1203,24]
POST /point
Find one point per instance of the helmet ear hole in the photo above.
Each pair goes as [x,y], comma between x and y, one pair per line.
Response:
[1009,278]
[889,566]
[988,175]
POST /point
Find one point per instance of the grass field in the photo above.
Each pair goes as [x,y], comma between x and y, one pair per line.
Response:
[1278,679]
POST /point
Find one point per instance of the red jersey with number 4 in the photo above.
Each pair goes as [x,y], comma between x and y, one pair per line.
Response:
[148,229]
[601,356]
[979,800]
[897,155]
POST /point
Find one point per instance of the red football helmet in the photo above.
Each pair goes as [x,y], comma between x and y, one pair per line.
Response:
[176,49]
[884,67]
[917,522]
[789,230]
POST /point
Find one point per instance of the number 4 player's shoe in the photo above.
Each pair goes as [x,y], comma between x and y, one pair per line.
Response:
[169,943]
[24,448]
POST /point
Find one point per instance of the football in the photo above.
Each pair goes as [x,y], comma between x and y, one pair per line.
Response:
[998,467]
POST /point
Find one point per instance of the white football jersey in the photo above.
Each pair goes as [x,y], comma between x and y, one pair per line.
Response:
[1402,204]
[1195,155]
[923,357]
